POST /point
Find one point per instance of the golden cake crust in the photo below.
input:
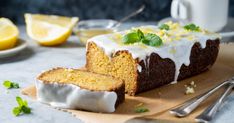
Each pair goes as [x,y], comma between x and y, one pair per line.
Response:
[118,86]
[47,78]
[156,73]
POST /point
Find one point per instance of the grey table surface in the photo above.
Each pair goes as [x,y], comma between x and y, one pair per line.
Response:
[25,66]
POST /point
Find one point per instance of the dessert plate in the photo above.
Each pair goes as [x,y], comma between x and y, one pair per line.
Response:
[21,45]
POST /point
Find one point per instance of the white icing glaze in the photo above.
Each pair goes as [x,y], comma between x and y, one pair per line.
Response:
[73,97]
[139,68]
[182,47]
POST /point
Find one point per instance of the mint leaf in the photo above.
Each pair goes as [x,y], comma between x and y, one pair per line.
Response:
[26,110]
[20,101]
[15,85]
[192,27]
[144,41]
[16,111]
[141,110]
[164,27]
[22,107]
[25,103]
[131,38]
[140,34]
[9,84]
[152,40]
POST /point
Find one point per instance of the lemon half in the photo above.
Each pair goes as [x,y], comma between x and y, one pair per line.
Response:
[8,34]
[49,30]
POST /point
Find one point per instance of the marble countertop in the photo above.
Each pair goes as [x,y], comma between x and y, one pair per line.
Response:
[24,67]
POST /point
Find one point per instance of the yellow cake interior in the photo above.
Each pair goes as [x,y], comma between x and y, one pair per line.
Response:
[81,78]
[121,65]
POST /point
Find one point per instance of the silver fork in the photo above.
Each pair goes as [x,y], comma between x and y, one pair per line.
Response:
[210,112]
[189,106]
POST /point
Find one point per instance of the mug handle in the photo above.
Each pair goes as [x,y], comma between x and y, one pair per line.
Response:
[179,9]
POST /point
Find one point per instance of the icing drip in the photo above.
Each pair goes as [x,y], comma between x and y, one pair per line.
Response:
[177,47]
[73,97]
[139,68]
[147,65]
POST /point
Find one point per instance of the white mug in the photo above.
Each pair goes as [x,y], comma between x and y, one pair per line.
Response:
[208,14]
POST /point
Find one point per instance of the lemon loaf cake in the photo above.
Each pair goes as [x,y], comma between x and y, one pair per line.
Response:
[151,56]
[79,89]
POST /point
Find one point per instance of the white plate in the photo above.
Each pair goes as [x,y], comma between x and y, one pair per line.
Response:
[21,45]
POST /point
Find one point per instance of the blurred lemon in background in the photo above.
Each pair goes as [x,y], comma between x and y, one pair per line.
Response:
[49,30]
[8,34]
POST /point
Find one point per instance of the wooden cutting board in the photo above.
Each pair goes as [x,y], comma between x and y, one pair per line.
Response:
[160,100]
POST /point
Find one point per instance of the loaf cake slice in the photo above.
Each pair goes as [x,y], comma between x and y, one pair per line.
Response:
[79,89]
[162,56]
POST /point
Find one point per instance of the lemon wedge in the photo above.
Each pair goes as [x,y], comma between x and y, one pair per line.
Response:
[49,30]
[8,34]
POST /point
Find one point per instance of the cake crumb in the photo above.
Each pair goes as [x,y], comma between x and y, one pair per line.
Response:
[140,108]
[139,104]
[189,88]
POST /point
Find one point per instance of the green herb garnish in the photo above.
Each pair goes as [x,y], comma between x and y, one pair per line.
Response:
[141,110]
[137,36]
[9,84]
[192,27]
[152,39]
[131,38]
[140,34]
[164,27]
[22,108]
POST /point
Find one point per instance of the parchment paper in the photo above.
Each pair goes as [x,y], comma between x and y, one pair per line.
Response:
[160,100]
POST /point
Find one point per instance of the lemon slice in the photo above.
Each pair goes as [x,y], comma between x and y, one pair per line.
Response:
[8,34]
[49,30]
